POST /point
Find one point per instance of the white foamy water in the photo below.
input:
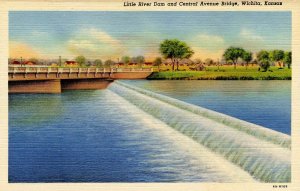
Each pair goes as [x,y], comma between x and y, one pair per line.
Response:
[264,155]
[178,154]
[249,128]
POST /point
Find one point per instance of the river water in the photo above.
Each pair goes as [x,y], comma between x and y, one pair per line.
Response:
[266,103]
[122,135]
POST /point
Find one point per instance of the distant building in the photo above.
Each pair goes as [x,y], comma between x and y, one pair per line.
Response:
[54,64]
[148,64]
[15,62]
[29,63]
[132,64]
[120,64]
[71,63]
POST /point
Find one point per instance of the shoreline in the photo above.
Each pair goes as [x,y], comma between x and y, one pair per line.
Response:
[223,74]
[221,78]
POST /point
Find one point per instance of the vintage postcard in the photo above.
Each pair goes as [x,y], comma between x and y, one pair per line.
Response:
[150,95]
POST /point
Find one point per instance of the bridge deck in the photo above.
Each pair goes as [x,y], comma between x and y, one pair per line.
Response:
[48,73]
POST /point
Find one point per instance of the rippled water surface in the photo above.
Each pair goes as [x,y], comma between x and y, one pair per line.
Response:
[98,136]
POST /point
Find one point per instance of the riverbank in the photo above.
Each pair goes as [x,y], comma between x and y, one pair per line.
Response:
[225,73]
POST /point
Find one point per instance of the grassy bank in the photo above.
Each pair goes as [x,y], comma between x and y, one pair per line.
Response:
[225,73]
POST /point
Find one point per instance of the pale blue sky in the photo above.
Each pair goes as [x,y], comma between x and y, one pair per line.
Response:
[114,34]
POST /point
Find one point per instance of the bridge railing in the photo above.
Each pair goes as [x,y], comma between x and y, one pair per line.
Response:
[22,69]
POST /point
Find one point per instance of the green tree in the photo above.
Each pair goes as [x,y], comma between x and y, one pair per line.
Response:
[126,60]
[175,50]
[80,60]
[263,55]
[263,59]
[98,63]
[140,60]
[209,62]
[157,62]
[247,57]
[133,60]
[232,54]
[277,56]
[288,59]
[108,63]
[265,64]
[88,63]
[197,61]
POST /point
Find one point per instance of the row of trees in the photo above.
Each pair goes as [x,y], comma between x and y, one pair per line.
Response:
[82,61]
[138,60]
[277,56]
[264,57]
[232,54]
[176,51]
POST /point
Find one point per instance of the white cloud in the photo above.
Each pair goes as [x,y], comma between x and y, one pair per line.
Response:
[249,40]
[207,46]
[247,34]
[212,40]
[103,37]
[146,44]
[95,43]
[203,53]
[210,44]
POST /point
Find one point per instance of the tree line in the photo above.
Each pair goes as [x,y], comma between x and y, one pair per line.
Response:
[264,58]
[176,50]
[82,61]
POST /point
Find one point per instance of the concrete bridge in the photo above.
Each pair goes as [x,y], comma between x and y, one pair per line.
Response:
[53,80]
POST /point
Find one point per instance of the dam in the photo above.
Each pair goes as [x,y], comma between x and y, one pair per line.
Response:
[263,153]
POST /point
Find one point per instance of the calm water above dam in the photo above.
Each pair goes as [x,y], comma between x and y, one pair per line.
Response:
[104,136]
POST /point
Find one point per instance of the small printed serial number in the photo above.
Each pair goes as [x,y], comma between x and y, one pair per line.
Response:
[280,186]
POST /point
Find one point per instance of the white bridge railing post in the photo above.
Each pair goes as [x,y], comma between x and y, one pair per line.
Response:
[59,71]
[78,74]
[26,71]
[37,71]
[96,72]
[14,71]
[47,72]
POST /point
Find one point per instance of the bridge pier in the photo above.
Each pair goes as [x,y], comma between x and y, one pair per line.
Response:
[84,84]
[56,86]
[34,86]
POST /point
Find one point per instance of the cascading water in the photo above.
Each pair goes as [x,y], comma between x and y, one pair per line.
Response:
[263,153]
[250,128]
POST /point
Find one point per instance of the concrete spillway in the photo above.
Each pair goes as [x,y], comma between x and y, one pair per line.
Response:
[263,153]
